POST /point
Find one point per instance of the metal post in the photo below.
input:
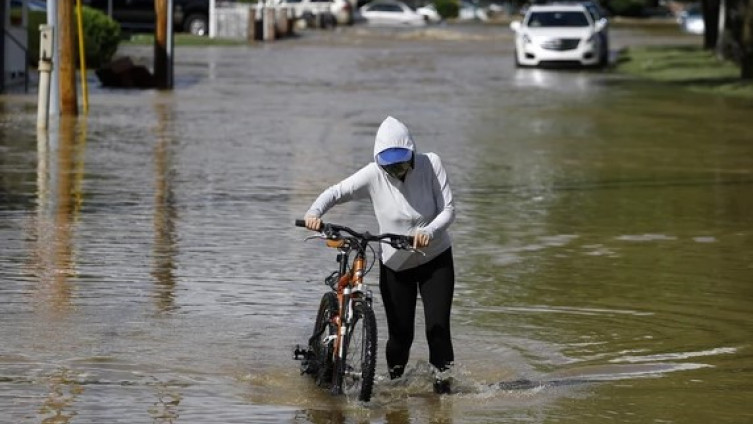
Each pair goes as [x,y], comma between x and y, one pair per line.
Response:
[82,56]
[2,48]
[45,68]
[52,19]
[170,44]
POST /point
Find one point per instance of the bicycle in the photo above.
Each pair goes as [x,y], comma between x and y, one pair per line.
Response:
[342,350]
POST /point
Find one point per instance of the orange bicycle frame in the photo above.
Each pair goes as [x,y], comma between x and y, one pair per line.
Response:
[345,284]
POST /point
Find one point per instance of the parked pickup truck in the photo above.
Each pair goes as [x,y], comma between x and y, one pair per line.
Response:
[138,15]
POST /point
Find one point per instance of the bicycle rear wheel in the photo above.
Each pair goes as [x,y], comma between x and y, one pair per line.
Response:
[321,343]
[356,372]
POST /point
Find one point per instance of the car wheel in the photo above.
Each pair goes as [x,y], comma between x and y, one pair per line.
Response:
[196,25]
[604,58]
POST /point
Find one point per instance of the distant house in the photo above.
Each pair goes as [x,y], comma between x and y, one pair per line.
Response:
[14,48]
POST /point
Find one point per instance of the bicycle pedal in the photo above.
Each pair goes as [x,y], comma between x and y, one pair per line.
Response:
[301,354]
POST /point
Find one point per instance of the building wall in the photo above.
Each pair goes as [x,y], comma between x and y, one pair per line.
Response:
[15,41]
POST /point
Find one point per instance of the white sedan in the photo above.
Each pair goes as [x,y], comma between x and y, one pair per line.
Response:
[391,12]
[430,13]
[560,34]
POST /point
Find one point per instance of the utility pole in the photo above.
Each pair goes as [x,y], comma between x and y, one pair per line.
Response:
[67,65]
[163,44]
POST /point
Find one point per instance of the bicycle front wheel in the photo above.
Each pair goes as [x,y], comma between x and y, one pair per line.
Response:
[358,368]
[321,341]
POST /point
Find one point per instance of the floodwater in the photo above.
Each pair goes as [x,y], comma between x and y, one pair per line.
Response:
[150,271]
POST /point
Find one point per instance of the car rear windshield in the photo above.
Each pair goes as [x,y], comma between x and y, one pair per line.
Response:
[558,19]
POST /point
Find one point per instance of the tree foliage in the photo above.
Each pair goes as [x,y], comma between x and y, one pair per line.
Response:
[101,37]
[447,8]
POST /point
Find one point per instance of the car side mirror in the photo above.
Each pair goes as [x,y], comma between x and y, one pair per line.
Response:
[600,25]
[515,26]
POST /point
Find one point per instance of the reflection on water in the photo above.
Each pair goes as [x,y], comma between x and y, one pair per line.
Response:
[552,80]
[59,406]
[151,272]
[58,205]
[165,213]
[166,408]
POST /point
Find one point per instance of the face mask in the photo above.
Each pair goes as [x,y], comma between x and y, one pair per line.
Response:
[397,170]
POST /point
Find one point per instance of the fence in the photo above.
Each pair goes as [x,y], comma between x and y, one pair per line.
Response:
[252,22]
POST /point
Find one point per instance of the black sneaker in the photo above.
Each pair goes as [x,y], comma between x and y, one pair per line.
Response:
[396,372]
[442,386]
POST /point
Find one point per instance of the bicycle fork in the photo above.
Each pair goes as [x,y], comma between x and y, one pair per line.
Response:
[350,286]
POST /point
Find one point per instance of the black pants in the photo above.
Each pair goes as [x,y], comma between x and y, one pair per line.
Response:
[436,282]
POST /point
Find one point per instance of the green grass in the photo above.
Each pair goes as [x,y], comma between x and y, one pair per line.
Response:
[184,40]
[687,66]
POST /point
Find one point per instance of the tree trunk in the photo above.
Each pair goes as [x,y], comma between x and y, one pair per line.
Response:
[711,22]
[746,60]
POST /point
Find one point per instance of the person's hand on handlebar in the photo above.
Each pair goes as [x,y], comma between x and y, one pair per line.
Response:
[420,239]
[313,223]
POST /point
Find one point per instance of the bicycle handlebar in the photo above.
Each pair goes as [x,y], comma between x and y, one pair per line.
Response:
[331,231]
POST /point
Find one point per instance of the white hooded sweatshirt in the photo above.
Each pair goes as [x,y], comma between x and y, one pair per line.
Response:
[423,201]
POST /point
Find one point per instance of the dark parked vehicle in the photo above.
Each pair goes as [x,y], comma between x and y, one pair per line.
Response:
[138,15]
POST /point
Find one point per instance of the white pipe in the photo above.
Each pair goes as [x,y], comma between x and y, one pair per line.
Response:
[43,106]
[212,18]
[45,67]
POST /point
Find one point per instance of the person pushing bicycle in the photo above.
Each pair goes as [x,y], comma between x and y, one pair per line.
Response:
[411,195]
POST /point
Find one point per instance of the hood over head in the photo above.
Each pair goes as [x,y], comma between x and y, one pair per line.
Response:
[392,133]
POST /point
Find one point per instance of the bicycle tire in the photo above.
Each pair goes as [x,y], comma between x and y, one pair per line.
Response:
[355,374]
[323,329]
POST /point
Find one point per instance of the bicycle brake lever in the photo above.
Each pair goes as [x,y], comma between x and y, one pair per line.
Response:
[327,231]
[404,244]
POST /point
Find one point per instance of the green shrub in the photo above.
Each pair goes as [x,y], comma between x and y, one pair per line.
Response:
[447,8]
[101,37]
[626,7]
